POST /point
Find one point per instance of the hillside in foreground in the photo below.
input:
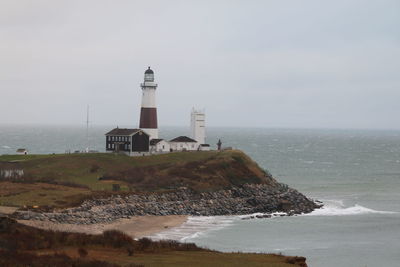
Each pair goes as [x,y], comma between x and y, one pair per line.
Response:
[22,245]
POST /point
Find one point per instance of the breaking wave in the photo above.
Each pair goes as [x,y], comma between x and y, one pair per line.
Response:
[337,208]
[202,225]
[195,227]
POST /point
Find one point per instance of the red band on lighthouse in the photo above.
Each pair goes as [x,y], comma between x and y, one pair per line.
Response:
[148,118]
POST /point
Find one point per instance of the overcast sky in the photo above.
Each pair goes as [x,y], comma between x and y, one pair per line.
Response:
[313,64]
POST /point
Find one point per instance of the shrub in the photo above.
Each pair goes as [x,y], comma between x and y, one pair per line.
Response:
[117,239]
[238,159]
[94,168]
[130,250]
[145,243]
[116,187]
[82,252]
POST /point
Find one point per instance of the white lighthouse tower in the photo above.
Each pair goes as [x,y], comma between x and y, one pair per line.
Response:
[198,126]
[148,112]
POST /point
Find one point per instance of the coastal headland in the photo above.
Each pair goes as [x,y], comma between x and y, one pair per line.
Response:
[93,193]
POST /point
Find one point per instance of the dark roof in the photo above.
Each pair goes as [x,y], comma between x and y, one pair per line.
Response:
[149,71]
[21,149]
[183,139]
[155,141]
[122,131]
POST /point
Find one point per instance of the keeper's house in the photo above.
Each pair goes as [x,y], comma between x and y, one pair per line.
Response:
[129,141]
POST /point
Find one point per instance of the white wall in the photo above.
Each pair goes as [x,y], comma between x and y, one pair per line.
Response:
[149,97]
[189,146]
[162,146]
[198,126]
[153,133]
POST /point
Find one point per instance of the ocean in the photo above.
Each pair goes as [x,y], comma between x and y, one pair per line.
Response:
[355,173]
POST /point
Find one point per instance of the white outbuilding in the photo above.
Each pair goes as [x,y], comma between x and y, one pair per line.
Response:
[159,146]
[22,151]
[184,143]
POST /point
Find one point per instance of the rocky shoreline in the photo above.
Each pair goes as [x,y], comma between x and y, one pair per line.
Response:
[246,199]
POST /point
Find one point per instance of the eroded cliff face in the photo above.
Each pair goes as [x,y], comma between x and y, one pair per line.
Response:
[246,199]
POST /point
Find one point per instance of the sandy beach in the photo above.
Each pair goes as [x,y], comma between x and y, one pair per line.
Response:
[136,227]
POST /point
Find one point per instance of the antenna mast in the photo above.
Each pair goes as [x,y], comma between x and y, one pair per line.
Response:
[87,128]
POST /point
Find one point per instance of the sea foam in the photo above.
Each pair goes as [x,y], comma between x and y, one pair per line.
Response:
[337,208]
[195,227]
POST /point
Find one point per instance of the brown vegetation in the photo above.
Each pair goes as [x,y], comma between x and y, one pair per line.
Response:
[22,245]
[212,173]
[59,181]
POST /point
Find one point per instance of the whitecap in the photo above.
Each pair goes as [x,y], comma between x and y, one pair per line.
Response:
[337,208]
[6,147]
[195,227]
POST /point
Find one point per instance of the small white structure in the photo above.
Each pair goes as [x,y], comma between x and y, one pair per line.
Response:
[22,151]
[184,143]
[204,147]
[197,126]
[159,146]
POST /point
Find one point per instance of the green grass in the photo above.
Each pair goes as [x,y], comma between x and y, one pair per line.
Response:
[40,194]
[202,171]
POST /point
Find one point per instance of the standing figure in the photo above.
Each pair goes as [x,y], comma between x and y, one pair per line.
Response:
[219,144]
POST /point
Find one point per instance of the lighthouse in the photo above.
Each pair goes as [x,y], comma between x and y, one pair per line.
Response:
[148,112]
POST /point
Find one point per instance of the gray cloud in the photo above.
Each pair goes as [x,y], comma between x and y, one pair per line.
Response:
[249,63]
